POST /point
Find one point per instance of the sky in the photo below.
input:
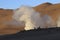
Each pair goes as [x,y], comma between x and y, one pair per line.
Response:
[13,4]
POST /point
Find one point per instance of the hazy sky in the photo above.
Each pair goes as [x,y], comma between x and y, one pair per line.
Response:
[12,4]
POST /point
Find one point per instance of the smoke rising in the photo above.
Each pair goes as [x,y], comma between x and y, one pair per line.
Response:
[32,19]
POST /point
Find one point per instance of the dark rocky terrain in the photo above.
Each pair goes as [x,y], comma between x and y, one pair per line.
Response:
[36,34]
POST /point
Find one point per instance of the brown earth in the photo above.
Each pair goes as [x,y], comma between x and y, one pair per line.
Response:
[52,10]
[6,16]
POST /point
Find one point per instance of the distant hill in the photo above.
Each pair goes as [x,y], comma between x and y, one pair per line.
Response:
[6,16]
[52,10]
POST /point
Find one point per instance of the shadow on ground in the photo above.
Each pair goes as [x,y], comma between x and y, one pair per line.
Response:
[36,34]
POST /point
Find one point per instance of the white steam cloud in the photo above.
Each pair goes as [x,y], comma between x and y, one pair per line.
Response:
[58,22]
[32,19]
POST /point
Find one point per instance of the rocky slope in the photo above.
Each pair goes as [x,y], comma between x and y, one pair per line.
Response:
[52,10]
[7,28]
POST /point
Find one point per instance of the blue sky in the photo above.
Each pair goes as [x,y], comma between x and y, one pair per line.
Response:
[13,4]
